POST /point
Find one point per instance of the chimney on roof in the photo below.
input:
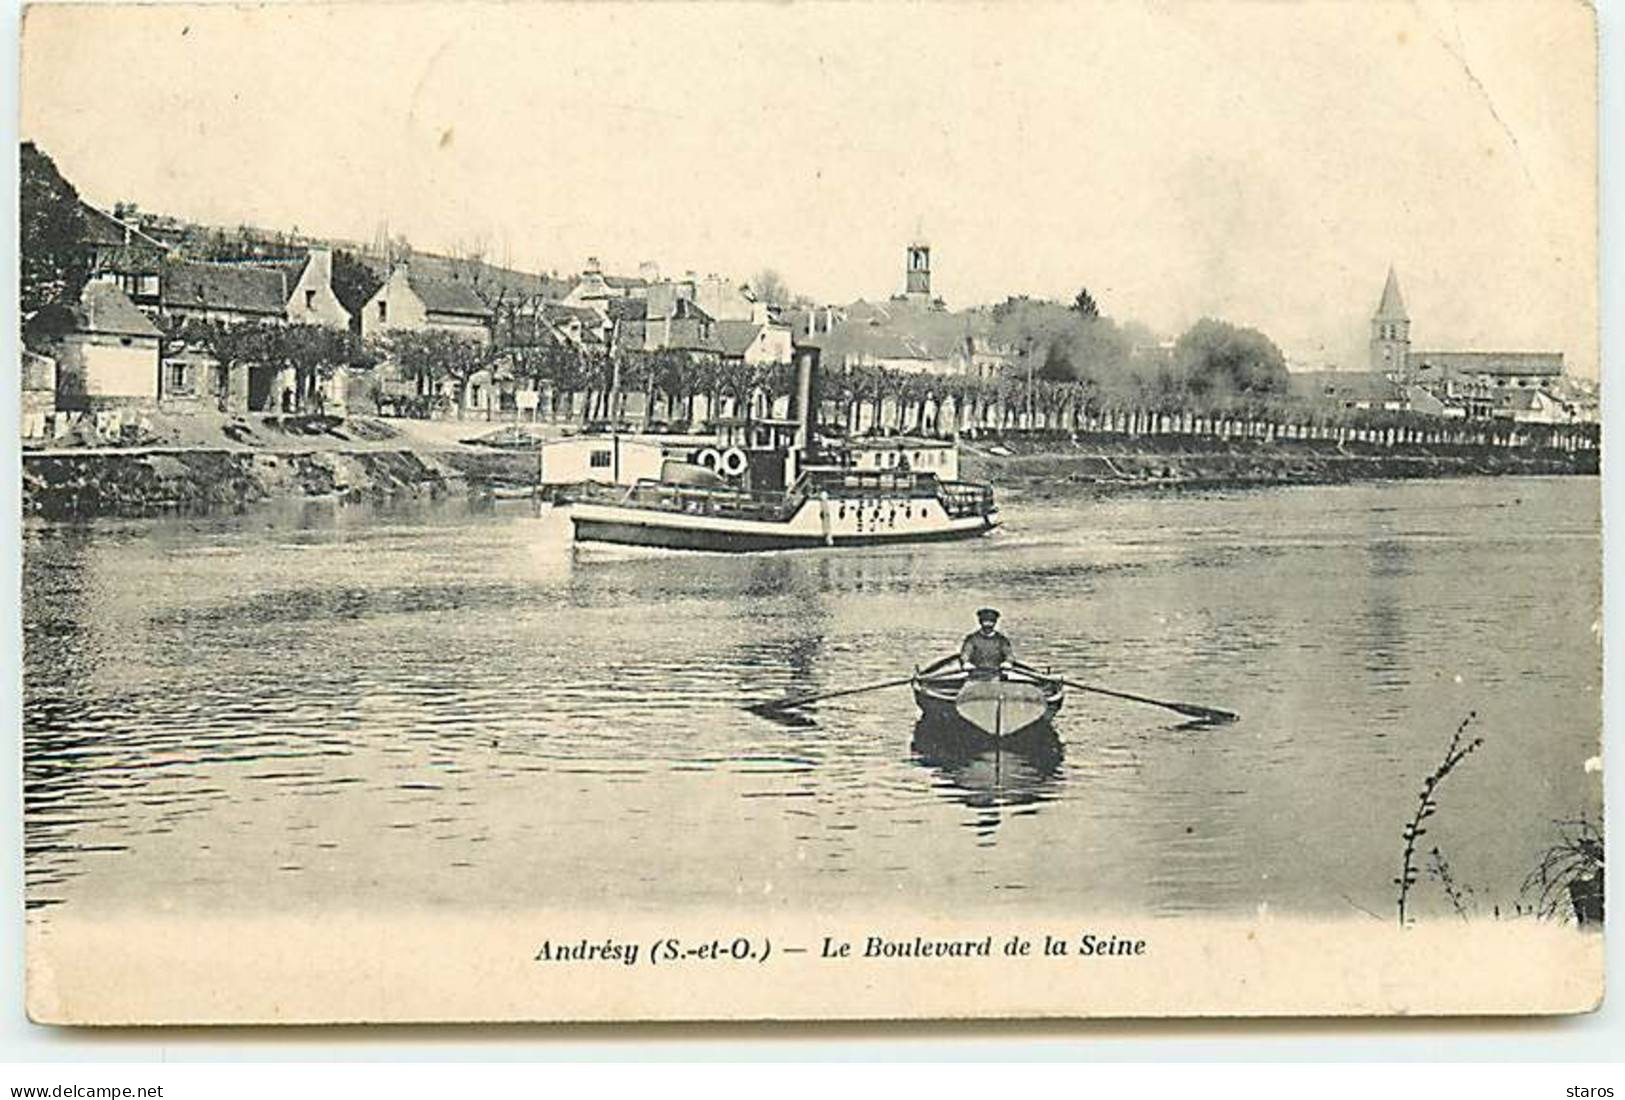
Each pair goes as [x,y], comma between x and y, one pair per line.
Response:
[649,271]
[593,267]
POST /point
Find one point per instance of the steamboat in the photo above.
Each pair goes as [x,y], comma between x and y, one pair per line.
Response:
[781,485]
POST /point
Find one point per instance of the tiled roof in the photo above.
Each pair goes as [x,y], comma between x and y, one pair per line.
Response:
[233,288]
[1343,385]
[904,334]
[900,329]
[103,307]
[469,273]
[446,295]
[736,337]
[589,318]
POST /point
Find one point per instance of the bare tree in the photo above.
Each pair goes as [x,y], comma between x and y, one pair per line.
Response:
[769,286]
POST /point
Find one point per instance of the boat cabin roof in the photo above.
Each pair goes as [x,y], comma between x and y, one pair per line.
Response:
[593,440]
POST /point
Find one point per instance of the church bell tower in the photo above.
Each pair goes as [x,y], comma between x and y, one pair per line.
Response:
[1391,333]
[917,271]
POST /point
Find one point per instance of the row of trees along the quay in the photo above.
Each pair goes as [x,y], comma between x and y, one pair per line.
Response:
[1074,371]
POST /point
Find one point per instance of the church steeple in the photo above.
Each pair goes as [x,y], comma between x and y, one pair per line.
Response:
[1391,332]
[1392,306]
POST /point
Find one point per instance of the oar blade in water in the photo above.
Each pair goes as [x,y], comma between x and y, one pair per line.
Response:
[1211,716]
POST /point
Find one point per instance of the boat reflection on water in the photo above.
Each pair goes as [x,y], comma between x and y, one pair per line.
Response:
[1011,777]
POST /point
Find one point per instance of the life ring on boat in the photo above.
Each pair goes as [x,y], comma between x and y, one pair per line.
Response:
[710,458]
[734,462]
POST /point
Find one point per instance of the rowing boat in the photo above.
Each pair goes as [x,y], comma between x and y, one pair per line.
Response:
[999,705]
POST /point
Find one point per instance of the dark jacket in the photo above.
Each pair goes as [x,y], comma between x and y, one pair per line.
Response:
[985,651]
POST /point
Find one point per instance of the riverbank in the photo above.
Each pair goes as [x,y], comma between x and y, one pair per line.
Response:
[368,459]
[142,482]
[1102,464]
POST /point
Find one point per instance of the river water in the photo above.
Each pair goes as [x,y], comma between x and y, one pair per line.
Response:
[324,708]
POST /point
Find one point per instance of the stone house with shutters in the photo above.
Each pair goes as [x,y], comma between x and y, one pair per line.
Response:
[261,293]
[232,294]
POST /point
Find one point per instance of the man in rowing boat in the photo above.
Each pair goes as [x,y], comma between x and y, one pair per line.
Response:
[985,651]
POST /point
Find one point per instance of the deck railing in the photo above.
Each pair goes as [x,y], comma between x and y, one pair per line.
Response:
[965,498]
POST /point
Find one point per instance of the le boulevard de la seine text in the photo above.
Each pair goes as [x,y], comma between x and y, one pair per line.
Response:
[675,950]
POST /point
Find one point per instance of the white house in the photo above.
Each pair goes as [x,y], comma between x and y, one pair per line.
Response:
[111,356]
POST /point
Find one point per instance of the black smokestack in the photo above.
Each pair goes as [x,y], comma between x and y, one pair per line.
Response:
[808,398]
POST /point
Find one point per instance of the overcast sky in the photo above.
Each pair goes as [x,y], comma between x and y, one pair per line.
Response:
[1263,163]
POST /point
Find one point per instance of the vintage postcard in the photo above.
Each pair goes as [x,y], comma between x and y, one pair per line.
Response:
[568,512]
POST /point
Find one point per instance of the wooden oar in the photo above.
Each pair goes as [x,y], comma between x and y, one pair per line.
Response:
[793,701]
[1189,710]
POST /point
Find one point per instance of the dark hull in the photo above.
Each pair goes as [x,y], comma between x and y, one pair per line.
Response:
[687,538]
[952,730]
[942,716]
